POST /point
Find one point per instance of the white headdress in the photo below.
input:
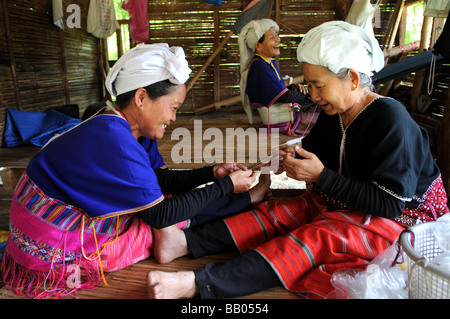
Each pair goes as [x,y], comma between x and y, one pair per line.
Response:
[147,64]
[338,45]
[250,34]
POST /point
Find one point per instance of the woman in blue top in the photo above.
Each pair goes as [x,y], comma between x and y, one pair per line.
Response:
[94,197]
[262,85]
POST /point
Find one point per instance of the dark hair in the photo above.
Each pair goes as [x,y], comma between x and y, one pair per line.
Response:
[154,91]
[261,40]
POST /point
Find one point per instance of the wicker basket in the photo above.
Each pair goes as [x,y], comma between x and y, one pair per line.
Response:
[426,280]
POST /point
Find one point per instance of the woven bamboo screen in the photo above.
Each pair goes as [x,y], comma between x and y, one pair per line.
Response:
[41,66]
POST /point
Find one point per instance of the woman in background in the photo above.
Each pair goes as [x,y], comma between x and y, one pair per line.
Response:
[262,85]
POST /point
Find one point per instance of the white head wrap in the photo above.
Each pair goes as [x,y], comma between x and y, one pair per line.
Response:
[147,64]
[250,34]
[338,45]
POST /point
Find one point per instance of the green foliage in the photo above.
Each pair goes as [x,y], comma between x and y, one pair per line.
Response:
[121,14]
[414,21]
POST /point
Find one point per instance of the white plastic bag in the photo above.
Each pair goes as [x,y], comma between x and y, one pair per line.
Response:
[380,280]
[101,20]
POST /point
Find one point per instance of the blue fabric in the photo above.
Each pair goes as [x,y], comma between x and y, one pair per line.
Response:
[215,2]
[2,250]
[264,85]
[23,127]
[100,167]
[151,147]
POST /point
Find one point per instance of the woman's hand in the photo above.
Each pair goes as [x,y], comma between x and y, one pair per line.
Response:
[299,87]
[242,180]
[224,169]
[307,169]
[282,153]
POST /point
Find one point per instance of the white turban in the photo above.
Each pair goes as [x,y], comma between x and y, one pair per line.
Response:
[147,64]
[250,34]
[340,45]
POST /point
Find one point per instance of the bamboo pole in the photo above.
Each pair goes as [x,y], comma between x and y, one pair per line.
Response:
[419,76]
[396,24]
[12,60]
[64,68]
[387,39]
[208,61]
[401,49]
[217,57]
[443,153]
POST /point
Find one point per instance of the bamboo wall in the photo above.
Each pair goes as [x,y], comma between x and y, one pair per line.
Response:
[41,66]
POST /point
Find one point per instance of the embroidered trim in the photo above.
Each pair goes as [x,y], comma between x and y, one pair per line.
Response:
[39,249]
[406,199]
[56,212]
[271,64]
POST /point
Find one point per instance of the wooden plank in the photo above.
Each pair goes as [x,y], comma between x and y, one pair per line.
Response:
[17,156]
[130,283]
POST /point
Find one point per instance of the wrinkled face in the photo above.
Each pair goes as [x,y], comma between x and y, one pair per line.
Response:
[270,47]
[158,114]
[333,94]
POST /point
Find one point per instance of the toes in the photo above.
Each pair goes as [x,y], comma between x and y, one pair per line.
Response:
[154,288]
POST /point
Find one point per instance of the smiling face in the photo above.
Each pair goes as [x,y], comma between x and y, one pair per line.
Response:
[157,114]
[270,47]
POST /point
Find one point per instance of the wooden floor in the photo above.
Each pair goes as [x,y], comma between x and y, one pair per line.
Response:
[130,283]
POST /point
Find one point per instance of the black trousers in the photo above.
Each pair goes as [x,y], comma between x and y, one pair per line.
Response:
[222,208]
[246,274]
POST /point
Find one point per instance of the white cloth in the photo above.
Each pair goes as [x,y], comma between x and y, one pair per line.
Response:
[340,45]
[147,64]
[58,15]
[361,14]
[437,8]
[250,34]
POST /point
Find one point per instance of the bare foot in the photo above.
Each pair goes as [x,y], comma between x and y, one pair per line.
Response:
[171,285]
[169,243]
[260,191]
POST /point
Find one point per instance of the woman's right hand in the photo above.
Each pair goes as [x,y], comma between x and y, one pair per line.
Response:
[307,169]
[242,180]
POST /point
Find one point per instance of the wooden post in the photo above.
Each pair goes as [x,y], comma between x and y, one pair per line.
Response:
[443,151]
[217,57]
[419,76]
[398,17]
[12,60]
[208,61]
[277,20]
[64,67]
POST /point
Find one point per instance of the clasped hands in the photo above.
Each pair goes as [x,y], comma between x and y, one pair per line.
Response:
[307,168]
